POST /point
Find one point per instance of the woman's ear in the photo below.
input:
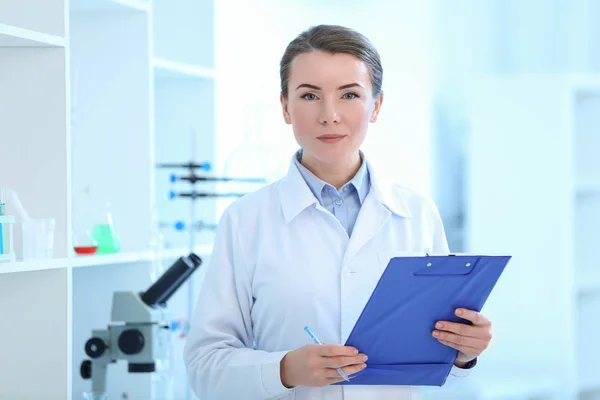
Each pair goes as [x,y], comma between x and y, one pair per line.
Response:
[284,108]
[377,107]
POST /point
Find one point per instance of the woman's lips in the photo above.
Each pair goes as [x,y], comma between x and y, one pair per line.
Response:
[331,138]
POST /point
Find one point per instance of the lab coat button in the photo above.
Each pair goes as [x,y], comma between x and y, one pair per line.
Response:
[338,202]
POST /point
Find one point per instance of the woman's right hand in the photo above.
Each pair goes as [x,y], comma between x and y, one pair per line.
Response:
[316,365]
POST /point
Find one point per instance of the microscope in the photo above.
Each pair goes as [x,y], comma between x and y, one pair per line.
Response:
[140,330]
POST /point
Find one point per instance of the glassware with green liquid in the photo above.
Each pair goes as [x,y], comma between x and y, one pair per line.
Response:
[105,235]
[107,240]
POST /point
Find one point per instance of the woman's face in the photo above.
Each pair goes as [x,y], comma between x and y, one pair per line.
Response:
[330,104]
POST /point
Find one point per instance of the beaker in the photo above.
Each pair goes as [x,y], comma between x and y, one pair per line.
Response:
[84,243]
[38,238]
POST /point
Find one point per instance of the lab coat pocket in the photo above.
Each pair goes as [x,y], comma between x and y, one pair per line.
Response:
[403,374]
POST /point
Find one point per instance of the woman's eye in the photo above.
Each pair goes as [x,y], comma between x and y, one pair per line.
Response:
[309,96]
[350,96]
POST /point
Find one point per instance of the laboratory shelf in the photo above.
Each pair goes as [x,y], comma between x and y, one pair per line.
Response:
[174,70]
[13,36]
[4,257]
[33,265]
[114,5]
[97,260]
[132,257]
[109,259]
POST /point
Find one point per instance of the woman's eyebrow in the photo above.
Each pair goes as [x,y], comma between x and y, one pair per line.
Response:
[349,85]
[308,85]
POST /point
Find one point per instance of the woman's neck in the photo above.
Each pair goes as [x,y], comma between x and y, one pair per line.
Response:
[336,174]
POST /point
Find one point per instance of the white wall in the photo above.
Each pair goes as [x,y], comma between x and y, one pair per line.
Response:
[475,38]
[511,36]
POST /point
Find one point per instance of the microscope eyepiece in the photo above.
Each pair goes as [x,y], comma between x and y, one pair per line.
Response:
[171,280]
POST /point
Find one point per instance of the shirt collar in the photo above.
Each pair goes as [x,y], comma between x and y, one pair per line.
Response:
[360,181]
[295,194]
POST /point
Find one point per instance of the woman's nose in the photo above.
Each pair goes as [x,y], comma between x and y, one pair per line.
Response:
[329,114]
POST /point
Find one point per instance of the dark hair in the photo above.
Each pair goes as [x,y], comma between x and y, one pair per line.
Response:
[332,39]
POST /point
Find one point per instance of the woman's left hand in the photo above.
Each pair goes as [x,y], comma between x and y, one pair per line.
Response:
[469,340]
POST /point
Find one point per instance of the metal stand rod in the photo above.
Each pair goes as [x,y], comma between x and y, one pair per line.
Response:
[99,369]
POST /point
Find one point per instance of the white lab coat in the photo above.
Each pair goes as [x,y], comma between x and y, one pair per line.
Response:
[280,262]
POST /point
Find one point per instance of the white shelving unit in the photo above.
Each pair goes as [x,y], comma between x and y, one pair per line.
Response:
[586,130]
[164,69]
[111,5]
[533,182]
[35,321]
[13,36]
[92,94]
[84,261]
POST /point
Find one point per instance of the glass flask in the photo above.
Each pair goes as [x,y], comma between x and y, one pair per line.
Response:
[104,234]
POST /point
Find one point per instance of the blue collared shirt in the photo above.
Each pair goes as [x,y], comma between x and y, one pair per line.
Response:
[345,203]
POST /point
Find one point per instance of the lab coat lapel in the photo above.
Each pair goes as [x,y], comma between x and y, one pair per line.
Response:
[378,207]
[372,217]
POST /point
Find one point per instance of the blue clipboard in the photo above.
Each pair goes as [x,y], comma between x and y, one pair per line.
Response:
[413,293]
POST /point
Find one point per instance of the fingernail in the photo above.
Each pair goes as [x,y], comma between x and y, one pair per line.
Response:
[355,351]
[439,325]
[435,334]
[363,366]
[364,358]
[459,312]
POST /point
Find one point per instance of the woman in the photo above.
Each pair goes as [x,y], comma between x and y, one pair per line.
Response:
[310,248]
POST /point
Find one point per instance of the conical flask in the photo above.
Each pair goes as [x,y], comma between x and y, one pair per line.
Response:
[104,233]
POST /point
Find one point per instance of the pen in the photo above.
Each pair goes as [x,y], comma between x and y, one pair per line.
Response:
[317,341]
